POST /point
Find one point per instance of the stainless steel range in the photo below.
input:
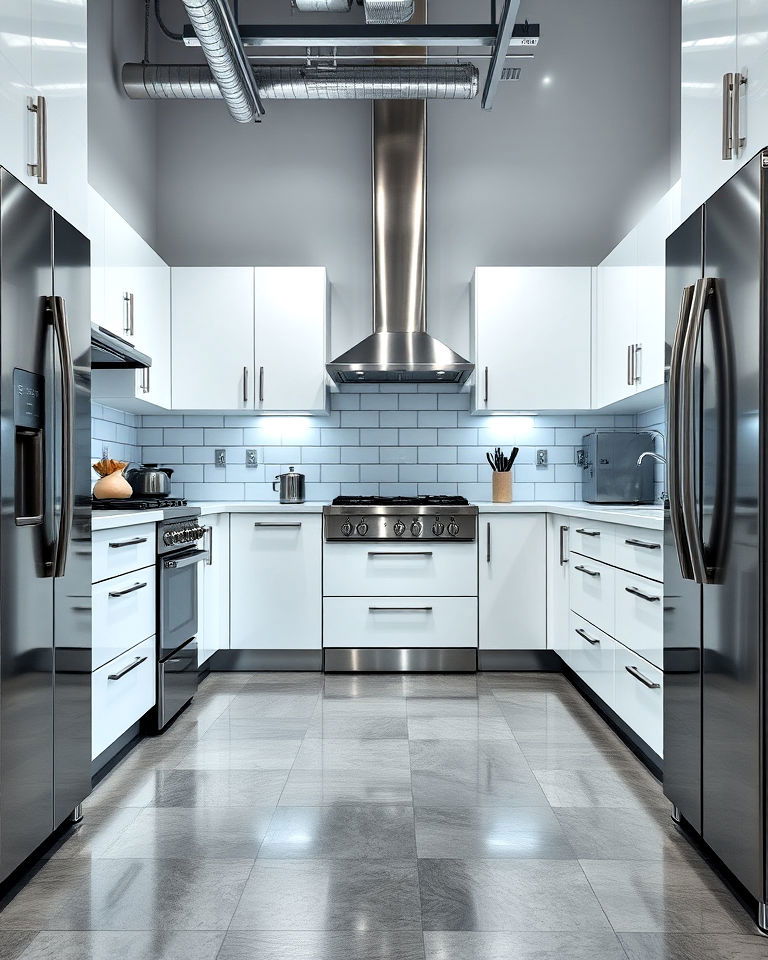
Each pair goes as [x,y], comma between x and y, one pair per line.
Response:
[400,585]
[400,518]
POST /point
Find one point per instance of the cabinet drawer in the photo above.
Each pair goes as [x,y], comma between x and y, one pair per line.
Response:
[640,615]
[590,654]
[596,540]
[639,698]
[122,692]
[591,591]
[640,551]
[119,551]
[400,622]
[123,614]
[400,570]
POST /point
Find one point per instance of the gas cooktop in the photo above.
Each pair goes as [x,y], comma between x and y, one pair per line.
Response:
[434,501]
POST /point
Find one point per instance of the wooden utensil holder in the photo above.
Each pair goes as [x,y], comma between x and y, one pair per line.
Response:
[501,483]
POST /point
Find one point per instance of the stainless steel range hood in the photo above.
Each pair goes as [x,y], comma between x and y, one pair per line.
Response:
[110,352]
[399,349]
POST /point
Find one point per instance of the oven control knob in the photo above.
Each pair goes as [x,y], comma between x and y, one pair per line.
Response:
[399,528]
[362,528]
[167,538]
[453,528]
[416,528]
[437,528]
[176,537]
[346,528]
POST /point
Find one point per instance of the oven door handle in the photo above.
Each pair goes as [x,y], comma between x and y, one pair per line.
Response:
[178,563]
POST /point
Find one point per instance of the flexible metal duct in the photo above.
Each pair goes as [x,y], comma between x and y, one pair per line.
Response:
[388,11]
[215,28]
[378,82]
[322,6]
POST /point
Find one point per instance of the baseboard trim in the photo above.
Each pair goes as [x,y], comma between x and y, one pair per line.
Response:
[248,660]
[546,661]
[400,660]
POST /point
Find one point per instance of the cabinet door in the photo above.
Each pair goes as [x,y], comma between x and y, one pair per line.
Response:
[615,323]
[290,321]
[709,33]
[122,263]
[558,606]
[15,86]
[276,581]
[214,577]
[212,335]
[59,73]
[512,582]
[532,338]
[153,330]
[753,64]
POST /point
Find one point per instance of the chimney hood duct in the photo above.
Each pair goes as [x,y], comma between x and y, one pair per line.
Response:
[399,349]
[145,81]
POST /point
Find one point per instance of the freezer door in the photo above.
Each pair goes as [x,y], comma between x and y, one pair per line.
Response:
[730,508]
[26,528]
[72,588]
[682,597]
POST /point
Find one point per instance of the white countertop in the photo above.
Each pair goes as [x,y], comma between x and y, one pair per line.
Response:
[112,519]
[259,506]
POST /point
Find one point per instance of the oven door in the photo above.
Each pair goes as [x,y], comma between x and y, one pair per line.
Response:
[177,682]
[178,600]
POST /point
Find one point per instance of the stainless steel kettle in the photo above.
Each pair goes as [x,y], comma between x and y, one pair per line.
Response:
[150,480]
[292,486]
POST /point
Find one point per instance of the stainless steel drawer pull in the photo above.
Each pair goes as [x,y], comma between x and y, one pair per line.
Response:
[131,666]
[128,543]
[245,384]
[642,678]
[261,384]
[589,573]
[399,553]
[646,544]
[129,324]
[643,596]
[263,523]
[123,593]
[586,636]
[400,609]
[588,533]
[563,558]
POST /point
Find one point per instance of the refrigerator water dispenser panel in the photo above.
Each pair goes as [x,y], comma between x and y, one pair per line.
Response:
[29,417]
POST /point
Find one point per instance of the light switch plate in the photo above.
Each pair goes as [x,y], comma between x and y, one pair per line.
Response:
[220,457]
[542,458]
[251,458]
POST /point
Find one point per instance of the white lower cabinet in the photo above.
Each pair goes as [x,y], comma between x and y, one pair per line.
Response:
[116,552]
[640,697]
[123,613]
[593,591]
[122,691]
[400,622]
[213,589]
[275,581]
[640,615]
[558,598]
[512,582]
[591,655]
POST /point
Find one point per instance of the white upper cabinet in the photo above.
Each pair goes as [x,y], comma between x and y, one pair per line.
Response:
[531,338]
[250,339]
[15,86]
[753,64]
[290,310]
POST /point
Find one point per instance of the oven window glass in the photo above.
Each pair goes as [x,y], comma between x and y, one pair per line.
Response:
[178,607]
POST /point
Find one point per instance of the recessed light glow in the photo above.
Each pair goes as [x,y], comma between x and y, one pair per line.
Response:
[546,80]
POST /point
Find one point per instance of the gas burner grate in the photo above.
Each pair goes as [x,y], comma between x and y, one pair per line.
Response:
[137,504]
[432,501]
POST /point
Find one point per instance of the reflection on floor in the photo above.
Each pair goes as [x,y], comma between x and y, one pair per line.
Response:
[301,817]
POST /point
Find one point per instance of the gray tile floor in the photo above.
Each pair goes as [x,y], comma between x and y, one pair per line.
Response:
[301,817]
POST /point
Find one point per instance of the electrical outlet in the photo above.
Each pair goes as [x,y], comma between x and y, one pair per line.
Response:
[251,458]
[581,458]
[220,457]
[105,452]
[542,458]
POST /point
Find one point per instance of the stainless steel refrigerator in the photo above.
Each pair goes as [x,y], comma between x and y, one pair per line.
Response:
[715,537]
[45,538]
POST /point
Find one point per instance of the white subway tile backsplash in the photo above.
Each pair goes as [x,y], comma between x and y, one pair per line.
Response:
[221,437]
[379,437]
[339,473]
[437,418]
[398,418]
[359,418]
[418,473]
[398,454]
[345,401]
[437,455]
[379,401]
[338,437]
[187,436]
[419,437]
[418,401]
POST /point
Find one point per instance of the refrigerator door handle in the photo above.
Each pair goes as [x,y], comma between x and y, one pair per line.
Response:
[691,525]
[673,436]
[64,347]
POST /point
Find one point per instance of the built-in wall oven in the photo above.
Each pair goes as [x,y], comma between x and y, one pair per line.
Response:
[179,554]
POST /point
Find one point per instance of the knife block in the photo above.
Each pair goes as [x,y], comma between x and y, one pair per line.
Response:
[501,484]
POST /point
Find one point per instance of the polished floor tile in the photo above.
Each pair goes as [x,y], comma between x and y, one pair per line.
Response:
[357,728]
[677,946]
[458,728]
[601,787]
[353,755]
[623,833]
[308,787]
[13,943]
[133,945]
[239,755]
[323,945]
[255,728]
[483,705]
[522,946]
[330,895]
[95,833]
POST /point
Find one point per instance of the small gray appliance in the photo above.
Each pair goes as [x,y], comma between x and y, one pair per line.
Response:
[610,470]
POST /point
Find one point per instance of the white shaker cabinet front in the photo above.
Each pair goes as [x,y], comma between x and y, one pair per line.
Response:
[276,581]
[213,589]
[616,324]
[512,581]
[559,535]
[531,338]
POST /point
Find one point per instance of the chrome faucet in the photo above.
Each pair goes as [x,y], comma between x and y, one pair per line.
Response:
[649,453]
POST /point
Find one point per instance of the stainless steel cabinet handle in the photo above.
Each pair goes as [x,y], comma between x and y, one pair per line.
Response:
[263,523]
[643,596]
[145,380]
[588,533]
[589,573]
[187,561]
[629,365]
[637,349]
[399,553]
[737,141]
[563,558]
[58,309]
[488,543]
[129,324]
[400,609]
[127,543]
[642,678]
[646,544]
[209,531]
[245,384]
[131,666]
[39,169]
[586,636]
[727,152]
[123,593]
[485,396]
[261,384]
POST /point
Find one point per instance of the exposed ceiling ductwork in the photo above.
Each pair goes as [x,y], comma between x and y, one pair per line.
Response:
[322,6]
[388,11]
[143,81]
